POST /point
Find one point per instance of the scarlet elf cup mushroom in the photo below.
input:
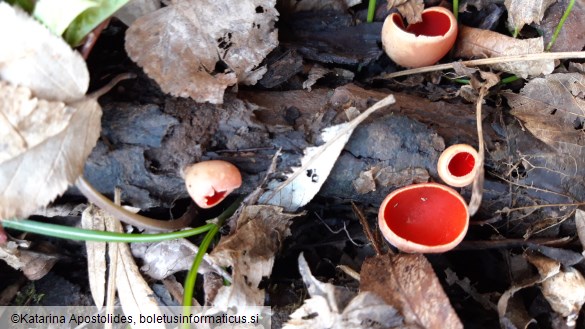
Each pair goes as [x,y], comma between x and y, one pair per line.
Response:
[424,218]
[423,43]
[458,165]
[209,182]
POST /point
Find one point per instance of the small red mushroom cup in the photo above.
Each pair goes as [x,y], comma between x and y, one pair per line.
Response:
[209,182]
[420,44]
[458,165]
[424,218]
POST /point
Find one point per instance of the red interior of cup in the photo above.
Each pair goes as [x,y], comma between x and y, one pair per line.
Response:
[427,215]
[461,164]
[433,24]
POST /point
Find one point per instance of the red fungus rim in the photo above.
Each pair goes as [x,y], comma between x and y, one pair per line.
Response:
[425,218]
[458,165]
[436,22]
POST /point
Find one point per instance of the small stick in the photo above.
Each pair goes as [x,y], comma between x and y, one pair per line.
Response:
[367,229]
[487,61]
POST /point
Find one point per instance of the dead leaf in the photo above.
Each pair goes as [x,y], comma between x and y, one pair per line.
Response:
[316,73]
[38,59]
[478,43]
[408,282]
[409,9]
[365,182]
[571,37]
[34,265]
[250,253]
[93,219]
[135,9]
[306,181]
[136,297]
[337,307]
[522,12]
[565,292]
[553,110]
[32,175]
[192,53]
[580,224]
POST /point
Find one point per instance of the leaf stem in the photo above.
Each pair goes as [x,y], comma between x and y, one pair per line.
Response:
[74,233]
[456,9]
[191,278]
[371,11]
[560,25]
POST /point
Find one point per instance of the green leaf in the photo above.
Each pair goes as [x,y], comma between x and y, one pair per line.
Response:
[58,14]
[90,19]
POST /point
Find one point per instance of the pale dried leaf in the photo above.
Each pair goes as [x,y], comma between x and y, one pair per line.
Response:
[337,307]
[479,43]
[316,73]
[136,297]
[546,268]
[522,12]
[409,9]
[38,59]
[408,282]
[36,175]
[93,219]
[34,265]
[291,6]
[136,8]
[306,181]
[164,258]
[250,253]
[580,224]
[365,182]
[553,110]
[565,292]
[184,46]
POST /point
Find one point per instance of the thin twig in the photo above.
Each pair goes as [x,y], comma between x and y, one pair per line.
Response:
[510,243]
[367,229]
[487,61]
[507,211]
[477,189]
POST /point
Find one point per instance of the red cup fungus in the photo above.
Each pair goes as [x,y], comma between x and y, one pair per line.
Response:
[420,44]
[424,218]
[458,165]
[209,182]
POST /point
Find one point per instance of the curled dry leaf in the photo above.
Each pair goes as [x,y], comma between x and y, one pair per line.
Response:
[408,282]
[553,109]
[197,48]
[34,265]
[478,43]
[337,307]
[92,218]
[565,292]
[580,224]
[47,144]
[38,59]
[250,253]
[522,12]
[409,9]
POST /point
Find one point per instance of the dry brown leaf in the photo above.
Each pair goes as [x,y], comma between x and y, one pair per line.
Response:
[136,8]
[337,307]
[522,12]
[197,48]
[408,282]
[136,297]
[93,219]
[409,9]
[31,176]
[34,265]
[479,43]
[250,252]
[36,58]
[553,109]
[572,36]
